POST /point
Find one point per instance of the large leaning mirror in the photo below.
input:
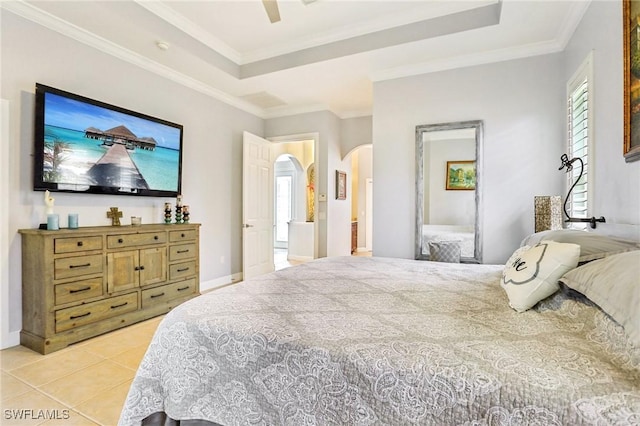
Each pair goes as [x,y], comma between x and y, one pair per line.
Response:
[448,181]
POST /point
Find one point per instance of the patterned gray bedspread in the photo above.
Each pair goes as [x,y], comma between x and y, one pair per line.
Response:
[375,341]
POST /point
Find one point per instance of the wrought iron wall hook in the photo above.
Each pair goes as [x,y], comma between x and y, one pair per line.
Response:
[569,165]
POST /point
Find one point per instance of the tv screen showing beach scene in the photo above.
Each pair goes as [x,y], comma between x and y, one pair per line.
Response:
[84,145]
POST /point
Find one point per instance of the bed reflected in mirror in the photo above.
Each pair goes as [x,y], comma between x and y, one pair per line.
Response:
[448,179]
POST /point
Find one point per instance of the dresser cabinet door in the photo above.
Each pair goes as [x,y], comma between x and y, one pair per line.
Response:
[123,270]
[153,266]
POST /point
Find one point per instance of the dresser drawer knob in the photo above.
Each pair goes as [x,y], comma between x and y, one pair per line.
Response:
[79,316]
[183,288]
[153,296]
[84,265]
[79,243]
[155,237]
[80,290]
[182,235]
[119,306]
[120,240]
[183,251]
[183,269]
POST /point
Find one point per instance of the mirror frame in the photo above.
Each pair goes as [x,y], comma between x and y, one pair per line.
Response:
[420,130]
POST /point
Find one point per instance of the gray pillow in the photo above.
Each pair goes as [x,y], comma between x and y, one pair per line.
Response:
[613,283]
[444,251]
[592,246]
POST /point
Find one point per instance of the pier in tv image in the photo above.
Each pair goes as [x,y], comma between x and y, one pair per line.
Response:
[88,146]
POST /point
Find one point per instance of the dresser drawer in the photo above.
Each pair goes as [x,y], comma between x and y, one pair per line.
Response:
[185,235]
[77,316]
[182,252]
[76,244]
[78,291]
[132,240]
[69,267]
[182,270]
[155,296]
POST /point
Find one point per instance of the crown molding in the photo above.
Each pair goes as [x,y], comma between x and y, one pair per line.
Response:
[573,18]
[464,61]
[567,29]
[76,33]
[355,114]
[285,111]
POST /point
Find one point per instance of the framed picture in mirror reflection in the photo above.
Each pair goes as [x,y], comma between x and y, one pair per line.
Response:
[461,175]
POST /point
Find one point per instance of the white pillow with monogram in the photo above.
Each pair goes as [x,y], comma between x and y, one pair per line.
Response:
[532,272]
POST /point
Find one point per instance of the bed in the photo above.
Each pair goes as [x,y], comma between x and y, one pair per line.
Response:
[377,341]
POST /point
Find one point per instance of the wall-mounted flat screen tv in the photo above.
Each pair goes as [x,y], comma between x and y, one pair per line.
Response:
[88,146]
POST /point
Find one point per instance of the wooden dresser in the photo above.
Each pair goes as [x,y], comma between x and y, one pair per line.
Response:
[79,283]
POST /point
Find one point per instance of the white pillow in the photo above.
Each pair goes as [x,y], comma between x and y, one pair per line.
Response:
[532,273]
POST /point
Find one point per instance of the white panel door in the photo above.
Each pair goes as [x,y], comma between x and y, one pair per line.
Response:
[257,206]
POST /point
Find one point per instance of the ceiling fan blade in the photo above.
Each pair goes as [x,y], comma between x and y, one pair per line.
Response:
[271,6]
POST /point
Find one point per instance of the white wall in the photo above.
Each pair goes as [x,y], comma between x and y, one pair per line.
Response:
[522,105]
[616,183]
[212,163]
[6,334]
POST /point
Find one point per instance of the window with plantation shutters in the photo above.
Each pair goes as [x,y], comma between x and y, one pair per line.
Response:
[579,113]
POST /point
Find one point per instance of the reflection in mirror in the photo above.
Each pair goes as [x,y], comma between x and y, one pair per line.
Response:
[448,179]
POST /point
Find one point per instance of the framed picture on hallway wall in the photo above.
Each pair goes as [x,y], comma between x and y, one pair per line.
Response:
[341,185]
[631,46]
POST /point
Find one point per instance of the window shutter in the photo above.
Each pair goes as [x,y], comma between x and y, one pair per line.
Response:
[578,129]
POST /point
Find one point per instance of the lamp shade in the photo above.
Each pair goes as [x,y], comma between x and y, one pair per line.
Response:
[548,212]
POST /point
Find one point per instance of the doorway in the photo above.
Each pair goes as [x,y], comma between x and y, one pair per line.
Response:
[285,177]
[289,199]
[361,203]
[293,202]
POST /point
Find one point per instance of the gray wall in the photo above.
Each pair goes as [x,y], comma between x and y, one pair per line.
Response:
[522,103]
[212,172]
[356,132]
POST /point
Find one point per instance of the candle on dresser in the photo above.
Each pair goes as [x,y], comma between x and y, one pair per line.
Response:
[73,220]
[53,222]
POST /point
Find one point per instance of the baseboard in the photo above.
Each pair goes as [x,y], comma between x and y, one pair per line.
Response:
[10,340]
[220,282]
[300,258]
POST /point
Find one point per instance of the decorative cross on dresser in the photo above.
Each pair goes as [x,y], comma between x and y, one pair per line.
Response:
[114,215]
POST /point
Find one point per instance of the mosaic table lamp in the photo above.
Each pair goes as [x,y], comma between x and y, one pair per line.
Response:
[548,212]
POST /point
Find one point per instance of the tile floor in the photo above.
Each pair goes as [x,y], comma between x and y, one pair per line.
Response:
[83,384]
